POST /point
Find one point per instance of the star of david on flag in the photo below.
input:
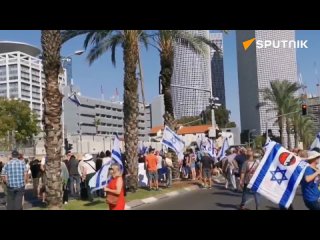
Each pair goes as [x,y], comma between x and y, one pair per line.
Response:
[278,175]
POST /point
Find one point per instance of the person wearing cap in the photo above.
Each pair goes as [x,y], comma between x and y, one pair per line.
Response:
[310,181]
[88,169]
[15,176]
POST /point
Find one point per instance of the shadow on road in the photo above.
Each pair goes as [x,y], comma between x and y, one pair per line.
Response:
[227,194]
[223,205]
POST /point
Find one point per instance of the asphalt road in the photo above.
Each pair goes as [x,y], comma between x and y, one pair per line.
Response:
[217,198]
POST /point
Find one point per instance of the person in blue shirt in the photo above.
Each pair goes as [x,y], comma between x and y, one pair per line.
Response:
[310,182]
[15,176]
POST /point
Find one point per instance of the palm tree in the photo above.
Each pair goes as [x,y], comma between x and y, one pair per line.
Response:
[291,106]
[278,95]
[51,45]
[295,120]
[165,40]
[103,41]
[306,130]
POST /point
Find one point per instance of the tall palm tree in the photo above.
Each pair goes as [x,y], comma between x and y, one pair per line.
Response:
[278,94]
[290,106]
[103,41]
[165,40]
[51,45]
[306,130]
[295,121]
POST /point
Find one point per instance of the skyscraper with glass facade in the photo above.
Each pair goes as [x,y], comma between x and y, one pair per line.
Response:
[257,67]
[217,71]
[191,79]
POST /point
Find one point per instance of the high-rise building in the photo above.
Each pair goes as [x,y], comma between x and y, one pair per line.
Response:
[157,111]
[67,64]
[257,67]
[217,71]
[100,117]
[191,79]
[21,74]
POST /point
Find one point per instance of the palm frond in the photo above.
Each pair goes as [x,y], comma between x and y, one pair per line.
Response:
[69,34]
[103,46]
[144,38]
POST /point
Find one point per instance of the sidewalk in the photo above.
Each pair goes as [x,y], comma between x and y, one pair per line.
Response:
[140,197]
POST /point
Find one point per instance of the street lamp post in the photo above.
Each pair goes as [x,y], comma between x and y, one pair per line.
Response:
[213,104]
[76,53]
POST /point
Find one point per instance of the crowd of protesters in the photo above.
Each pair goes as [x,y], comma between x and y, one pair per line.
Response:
[237,167]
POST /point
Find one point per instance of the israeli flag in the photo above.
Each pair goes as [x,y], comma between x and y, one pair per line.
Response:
[316,142]
[142,149]
[224,148]
[101,178]
[173,141]
[116,152]
[278,175]
[73,98]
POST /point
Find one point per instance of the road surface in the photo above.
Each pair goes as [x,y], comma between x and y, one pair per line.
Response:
[217,198]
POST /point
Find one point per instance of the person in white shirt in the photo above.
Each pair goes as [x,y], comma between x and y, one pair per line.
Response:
[88,169]
[169,165]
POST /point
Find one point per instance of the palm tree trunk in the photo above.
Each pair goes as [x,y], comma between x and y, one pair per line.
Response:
[51,45]
[130,104]
[166,62]
[288,133]
[296,136]
[281,127]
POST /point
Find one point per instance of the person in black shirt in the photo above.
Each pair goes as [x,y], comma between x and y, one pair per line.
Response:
[207,163]
[36,175]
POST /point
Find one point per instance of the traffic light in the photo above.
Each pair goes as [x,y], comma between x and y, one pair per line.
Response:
[304,109]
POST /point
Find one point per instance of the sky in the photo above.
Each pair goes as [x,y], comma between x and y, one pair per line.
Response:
[103,73]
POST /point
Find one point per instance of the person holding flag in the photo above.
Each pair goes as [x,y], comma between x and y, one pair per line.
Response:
[310,182]
[115,189]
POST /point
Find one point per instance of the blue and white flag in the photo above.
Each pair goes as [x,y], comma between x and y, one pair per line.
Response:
[116,152]
[101,178]
[173,141]
[142,149]
[316,142]
[73,98]
[224,148]
[278,175]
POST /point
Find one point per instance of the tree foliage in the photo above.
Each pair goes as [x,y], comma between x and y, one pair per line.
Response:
[16,116]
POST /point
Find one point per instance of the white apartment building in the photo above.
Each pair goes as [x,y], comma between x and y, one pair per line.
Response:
[21,74]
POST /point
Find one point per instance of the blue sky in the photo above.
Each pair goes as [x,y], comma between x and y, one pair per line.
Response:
[102,72]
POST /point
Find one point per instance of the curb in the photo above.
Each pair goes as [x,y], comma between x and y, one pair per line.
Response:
[140,202]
